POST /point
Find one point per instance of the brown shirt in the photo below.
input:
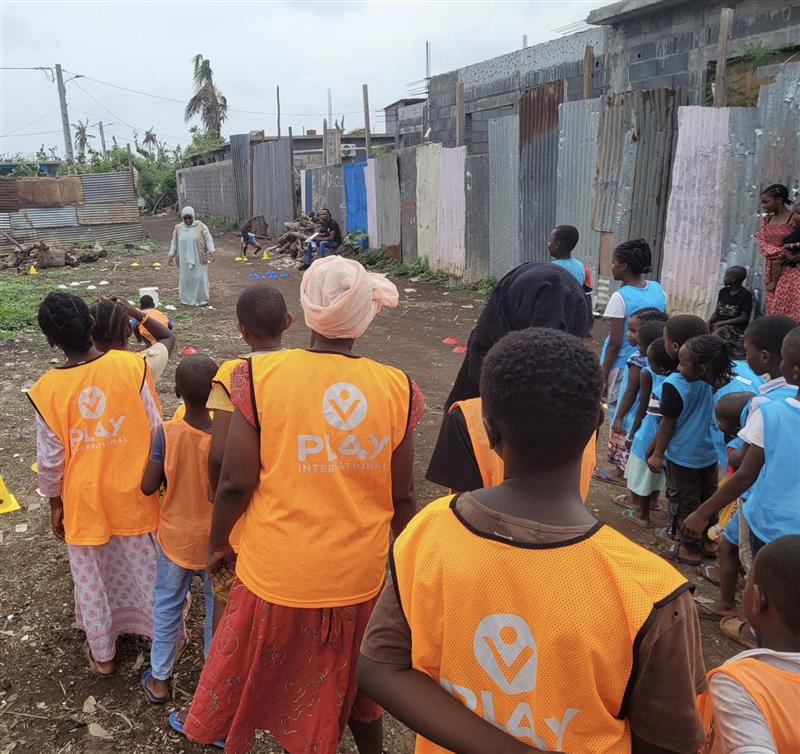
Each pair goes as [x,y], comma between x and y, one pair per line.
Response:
[669,668]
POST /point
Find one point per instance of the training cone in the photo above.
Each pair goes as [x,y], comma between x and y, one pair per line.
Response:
[451,341]
[8,502]
[265,256]
[32,270]
[188,351]
[35,467]
[460,349]
[134,264]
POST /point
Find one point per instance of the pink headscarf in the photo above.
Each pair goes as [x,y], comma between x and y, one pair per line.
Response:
[340,298]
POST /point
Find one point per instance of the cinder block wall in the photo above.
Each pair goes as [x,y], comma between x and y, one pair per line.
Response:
[209,189]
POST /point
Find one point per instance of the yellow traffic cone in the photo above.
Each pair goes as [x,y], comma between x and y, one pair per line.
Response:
[8,502]
[32,270]
[265,256]
[134,264]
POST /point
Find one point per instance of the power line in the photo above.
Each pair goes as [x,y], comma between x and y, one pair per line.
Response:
[36,120]
[36,133]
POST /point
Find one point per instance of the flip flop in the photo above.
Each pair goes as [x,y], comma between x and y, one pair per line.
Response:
[707,613]
[671,553]
[94,668]
[657,508]
[662,533]
[151,697]
[177,726]
[631,516]
[732,628]
[705,572]
[601,475]
[624,502]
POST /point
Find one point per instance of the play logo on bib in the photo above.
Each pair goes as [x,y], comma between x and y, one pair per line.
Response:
[92,403]
[344,406]
[505,648]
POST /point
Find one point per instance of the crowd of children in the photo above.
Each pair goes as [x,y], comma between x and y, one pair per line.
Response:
[511,620]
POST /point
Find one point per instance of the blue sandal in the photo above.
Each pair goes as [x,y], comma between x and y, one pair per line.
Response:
[177,726]
[151,697]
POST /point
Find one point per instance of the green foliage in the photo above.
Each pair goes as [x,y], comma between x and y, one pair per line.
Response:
[207,101]
[203,142]
[20,296]
[484,287]
[25,170]
[220,223]
[380,151]
[357,132]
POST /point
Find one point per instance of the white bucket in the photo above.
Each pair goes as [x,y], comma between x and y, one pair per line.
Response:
[149,292]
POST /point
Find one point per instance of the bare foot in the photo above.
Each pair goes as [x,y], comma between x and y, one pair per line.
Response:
[158,688]
[721,608]
[95,666]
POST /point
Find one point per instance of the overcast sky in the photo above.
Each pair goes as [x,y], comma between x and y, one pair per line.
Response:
[305,47]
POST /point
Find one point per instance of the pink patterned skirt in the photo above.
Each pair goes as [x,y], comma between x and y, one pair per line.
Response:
[114,586]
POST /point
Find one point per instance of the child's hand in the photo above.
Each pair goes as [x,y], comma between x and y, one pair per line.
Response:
[617,426]
[694,525]
[655,463]
[771,286]
[171,261]
[57,519]
[219,560]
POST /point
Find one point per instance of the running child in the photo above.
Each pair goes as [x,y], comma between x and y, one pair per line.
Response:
[148,308]
[248,240]
[474,644]
[644,485]
[94,418]
[179,460]
[624,411]
[752,700]
[684,437]
[631,261]
[734,302]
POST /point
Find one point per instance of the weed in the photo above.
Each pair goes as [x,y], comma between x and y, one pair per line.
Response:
[483,287]
[20,296]
[220,223]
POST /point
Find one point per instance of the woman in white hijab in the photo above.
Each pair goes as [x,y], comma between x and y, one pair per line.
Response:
[192,248]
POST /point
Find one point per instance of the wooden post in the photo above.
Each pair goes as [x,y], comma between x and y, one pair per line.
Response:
[130,159]
[459,113]
[325,141]
[720,81]
[102,140]
[367,134]
[278,96]
[588,72]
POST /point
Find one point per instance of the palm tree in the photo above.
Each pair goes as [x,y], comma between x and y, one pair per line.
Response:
[150,142]
[82,137]
[207,101]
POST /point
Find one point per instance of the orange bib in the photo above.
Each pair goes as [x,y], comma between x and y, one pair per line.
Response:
[539,641]
[97,413]
[316,531]
[186,511]
[158,317]
[775,692]
[491,465]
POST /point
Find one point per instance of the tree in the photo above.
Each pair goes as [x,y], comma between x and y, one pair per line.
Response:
[150,142]
[207,101]
[82,137]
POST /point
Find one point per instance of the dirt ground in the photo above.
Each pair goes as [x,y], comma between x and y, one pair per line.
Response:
[44,681]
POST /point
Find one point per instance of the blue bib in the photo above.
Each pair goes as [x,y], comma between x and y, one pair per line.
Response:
[649,426]
[744,380]
[652,295]
[692,445]
[627,420]
[574,267]
[773,508]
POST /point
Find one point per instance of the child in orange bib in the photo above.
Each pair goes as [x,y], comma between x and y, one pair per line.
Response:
[95,416]
[753,699]
[179,459]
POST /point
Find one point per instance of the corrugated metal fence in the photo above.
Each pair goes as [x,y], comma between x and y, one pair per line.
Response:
[272,193]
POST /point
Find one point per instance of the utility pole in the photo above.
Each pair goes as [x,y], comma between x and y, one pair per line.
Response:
[62,101]
[278,95]
[103,140]
[720,76]
[367,134]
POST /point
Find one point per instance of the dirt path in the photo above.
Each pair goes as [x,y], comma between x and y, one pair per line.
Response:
[44,682]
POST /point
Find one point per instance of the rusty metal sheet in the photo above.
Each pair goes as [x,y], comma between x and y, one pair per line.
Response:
[387,193]
[108,213]
[240,157]
[538,157]
[579,127]
[328,192]
[503,195]
[692,244]
[407,162]
[476,238]
[427,197]
[451,214]
[64,235]
[272,184]
[9,200]
[49,217]
[107,187]
[615,149]
[372,204]
[126,233]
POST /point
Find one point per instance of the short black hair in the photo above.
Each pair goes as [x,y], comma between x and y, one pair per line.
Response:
[541,387]
[791,344]
[767,333]
[731,405]
[712,353]
[681,327]
[739,272]
[734,337]
[110,321]
[636,254]
[657,356]
[146,302]
[649,332]
[66,319]
[193,377]
[777,191]
[262,310]
[775,570]
[649,314]
[567,236]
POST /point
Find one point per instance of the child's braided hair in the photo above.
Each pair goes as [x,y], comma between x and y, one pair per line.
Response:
[734,337]
[636,254]
[110,323]
[649,314]
[66,319]
[714,354]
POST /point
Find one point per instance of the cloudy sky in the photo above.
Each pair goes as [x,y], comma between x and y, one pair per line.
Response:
[305,47]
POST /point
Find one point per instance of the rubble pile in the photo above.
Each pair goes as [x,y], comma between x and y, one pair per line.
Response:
[42,255]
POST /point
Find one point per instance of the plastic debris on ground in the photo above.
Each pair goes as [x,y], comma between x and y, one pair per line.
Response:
[460,349]
[451,341]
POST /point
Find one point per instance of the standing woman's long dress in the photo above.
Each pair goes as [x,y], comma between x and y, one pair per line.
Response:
[192,269]
[785,299]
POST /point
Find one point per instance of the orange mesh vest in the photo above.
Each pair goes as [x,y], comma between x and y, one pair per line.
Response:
[775,692]
[186,511]
[96,412]
[539,641]
[491,465]
[316,531]
[158,317]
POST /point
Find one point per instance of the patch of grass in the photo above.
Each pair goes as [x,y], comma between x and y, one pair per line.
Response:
[20,296]
[220,223]
[483,287]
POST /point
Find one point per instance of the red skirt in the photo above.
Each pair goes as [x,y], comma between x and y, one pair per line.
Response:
[291,671]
